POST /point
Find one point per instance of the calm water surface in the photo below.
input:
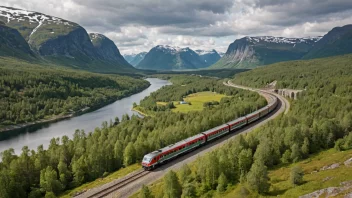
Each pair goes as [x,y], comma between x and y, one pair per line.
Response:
[88,122]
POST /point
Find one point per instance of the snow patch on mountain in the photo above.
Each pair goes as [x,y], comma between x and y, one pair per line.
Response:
[32,17]
[172,49]
[272,39]
[204,52]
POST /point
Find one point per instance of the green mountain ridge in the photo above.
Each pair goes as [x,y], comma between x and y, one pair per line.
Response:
[250,52]
[338,41]
[13,44]
[62,42]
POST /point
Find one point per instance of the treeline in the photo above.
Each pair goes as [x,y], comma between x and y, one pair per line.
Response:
[182,86]
[30,92]
[320,119]
[68,163]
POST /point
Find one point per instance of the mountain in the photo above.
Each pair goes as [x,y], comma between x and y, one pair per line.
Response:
[107,49]
[135,59]
[13,44]
[338,41]
[164,57]
[63,42]
[208,57]
[129,57]
[221,54]
[250,52]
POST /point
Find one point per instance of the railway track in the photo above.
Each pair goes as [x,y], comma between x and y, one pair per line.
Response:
[106,191]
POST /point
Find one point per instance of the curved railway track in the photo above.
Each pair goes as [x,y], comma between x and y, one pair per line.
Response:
[128,185]
[119,184]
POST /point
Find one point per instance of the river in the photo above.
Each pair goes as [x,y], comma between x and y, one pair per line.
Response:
[33,137]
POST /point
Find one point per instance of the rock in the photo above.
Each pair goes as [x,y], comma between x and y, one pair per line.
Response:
[330,167]
[346,183]
[313,172]
[328,192]
[327,179]
[348,162]
[348,195]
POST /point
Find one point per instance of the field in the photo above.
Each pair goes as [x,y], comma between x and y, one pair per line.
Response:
[197,100]
[101,181]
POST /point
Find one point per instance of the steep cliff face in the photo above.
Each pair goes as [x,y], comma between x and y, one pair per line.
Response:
[107,49]
[13,44]
[338,41]
[250,52]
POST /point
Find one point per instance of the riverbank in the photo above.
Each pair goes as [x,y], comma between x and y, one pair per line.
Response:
[57,118]
[135,109]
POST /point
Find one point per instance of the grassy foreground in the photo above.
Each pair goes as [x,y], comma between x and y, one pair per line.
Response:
[101,181]
[314,178]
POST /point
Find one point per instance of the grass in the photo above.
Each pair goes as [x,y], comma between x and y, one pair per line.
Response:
[101,181]
[279,176]
[197,100]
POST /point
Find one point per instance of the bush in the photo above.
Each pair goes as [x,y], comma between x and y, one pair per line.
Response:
[296,176]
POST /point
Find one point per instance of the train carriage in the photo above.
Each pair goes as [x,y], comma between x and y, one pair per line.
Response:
[252,117]
[216,132]
[238,123]
[172,151]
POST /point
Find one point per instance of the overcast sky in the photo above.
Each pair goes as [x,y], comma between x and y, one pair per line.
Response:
[137,26]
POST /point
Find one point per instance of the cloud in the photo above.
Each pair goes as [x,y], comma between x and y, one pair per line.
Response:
[140,25]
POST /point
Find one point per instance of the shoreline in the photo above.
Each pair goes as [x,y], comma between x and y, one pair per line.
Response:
[17,127]
[138,111]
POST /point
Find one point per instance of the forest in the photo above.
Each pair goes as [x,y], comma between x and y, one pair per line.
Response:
[30,92]
[68,163]
[320,119]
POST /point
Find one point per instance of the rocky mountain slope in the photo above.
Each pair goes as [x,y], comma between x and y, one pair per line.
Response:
[63,42]
[106,49]
[338,41]
[135,59]
[208,57]
[249,52]
[13,44]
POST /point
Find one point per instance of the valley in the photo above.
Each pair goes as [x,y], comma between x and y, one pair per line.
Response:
[175,99]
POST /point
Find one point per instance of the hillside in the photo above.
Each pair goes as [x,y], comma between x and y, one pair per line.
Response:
[107,49]
[250,52]
[13,44]
[170,58]
[338,41]
[31,92]
[208,57]
[61,42]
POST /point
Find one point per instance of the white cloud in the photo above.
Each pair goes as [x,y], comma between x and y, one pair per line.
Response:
[204,24]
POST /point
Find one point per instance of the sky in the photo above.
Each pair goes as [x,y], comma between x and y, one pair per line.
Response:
[137,26]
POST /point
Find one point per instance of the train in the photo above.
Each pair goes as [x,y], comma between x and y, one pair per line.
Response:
[152,160]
